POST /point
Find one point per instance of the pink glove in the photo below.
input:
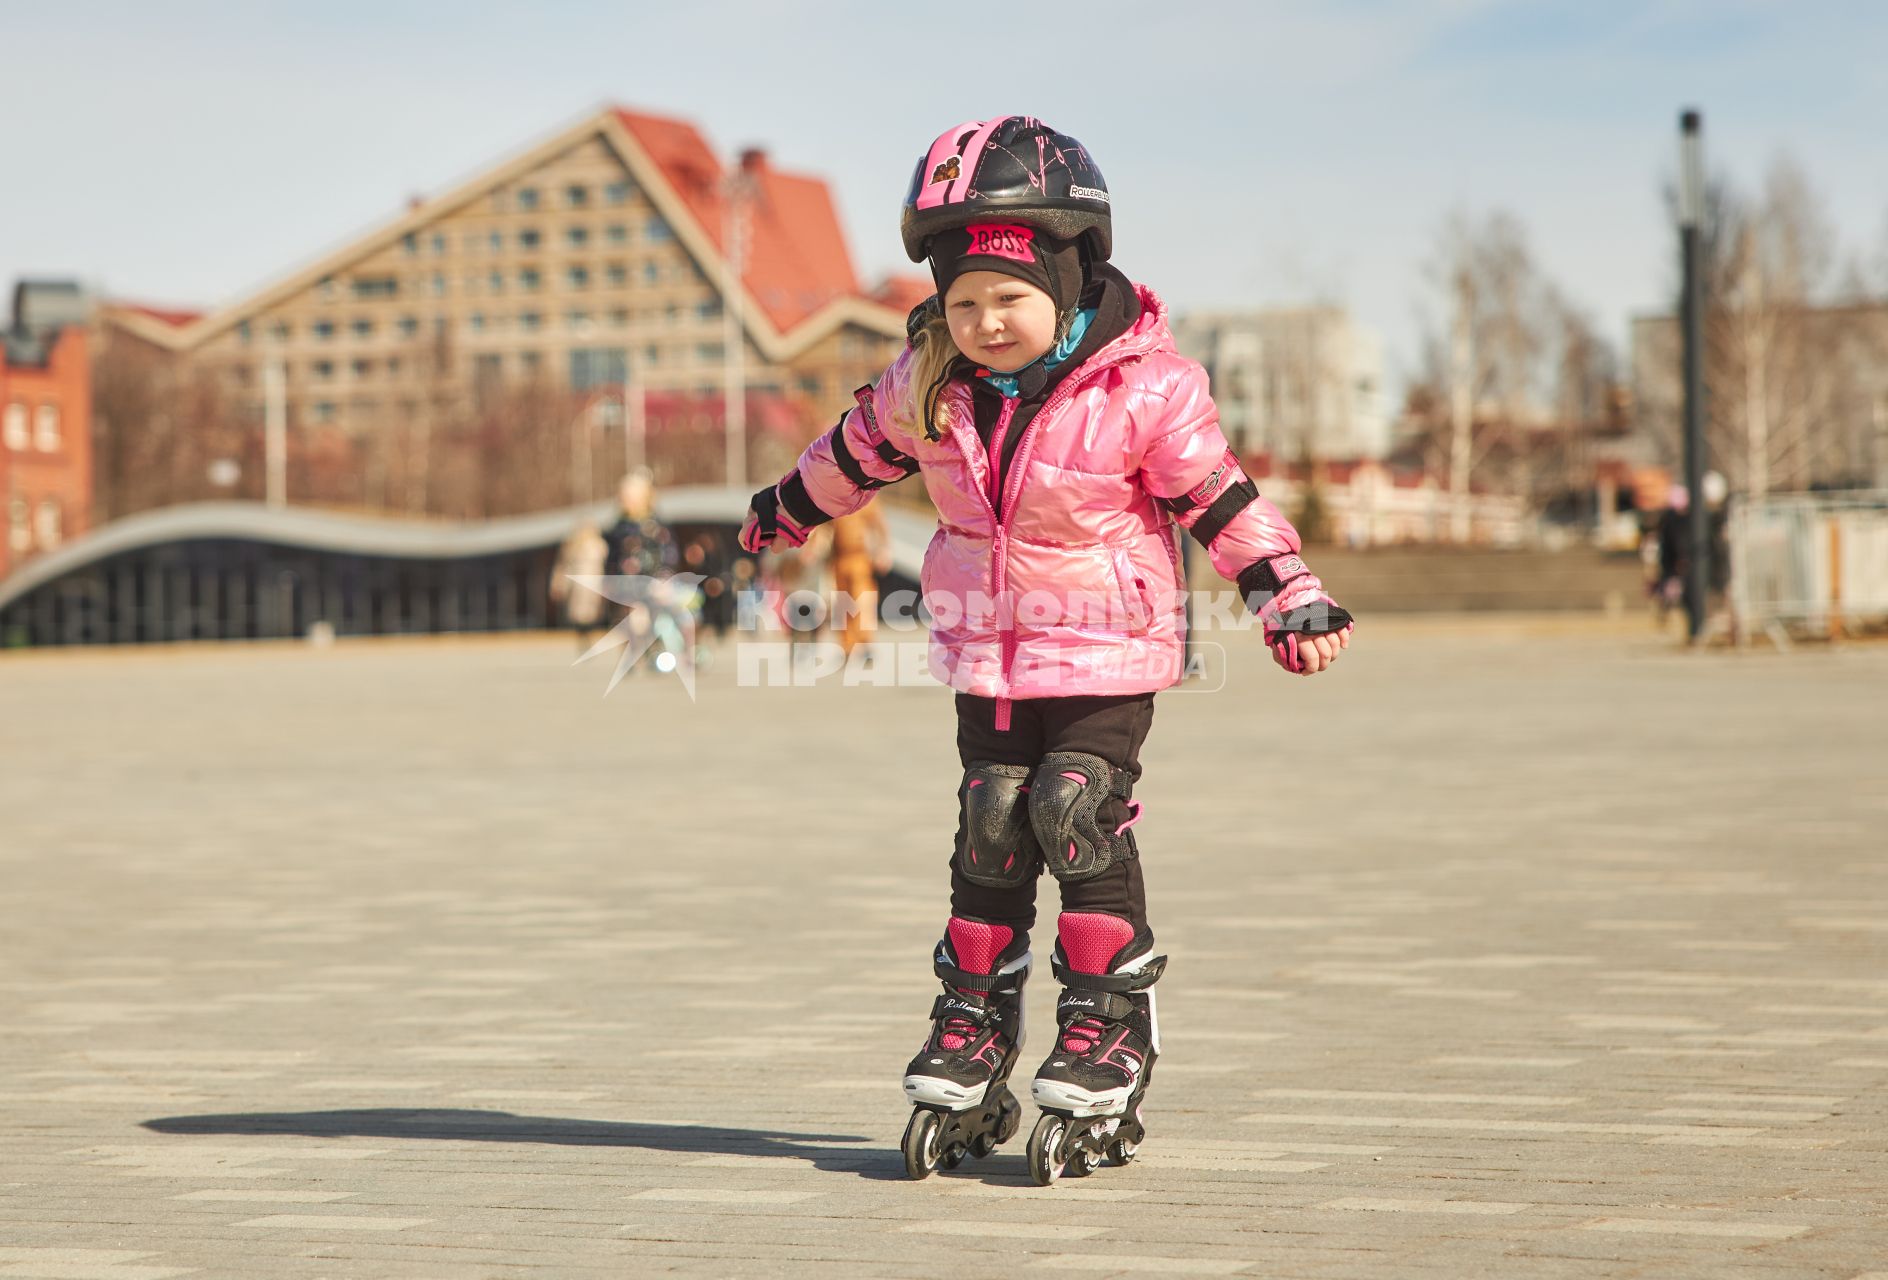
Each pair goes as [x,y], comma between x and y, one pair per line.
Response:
[1291,605]
[767,525]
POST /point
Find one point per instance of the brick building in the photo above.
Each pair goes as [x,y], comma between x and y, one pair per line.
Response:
[45,422]
[595,259]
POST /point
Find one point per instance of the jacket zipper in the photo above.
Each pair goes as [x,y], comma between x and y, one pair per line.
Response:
[1004,507]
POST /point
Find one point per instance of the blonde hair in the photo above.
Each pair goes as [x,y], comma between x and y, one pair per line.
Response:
[933,353]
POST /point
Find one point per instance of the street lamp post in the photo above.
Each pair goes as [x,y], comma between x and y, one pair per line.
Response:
[275,428]
[734,394]
[1690,240]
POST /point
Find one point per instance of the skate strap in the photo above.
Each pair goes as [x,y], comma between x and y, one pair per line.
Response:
[986,983]
[966,1008]
[1140,980]
[1103,1005]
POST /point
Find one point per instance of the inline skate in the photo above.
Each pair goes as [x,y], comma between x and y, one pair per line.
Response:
[1092,1084]
[958,1083]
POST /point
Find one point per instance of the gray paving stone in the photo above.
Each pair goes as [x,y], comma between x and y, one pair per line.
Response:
[1506,949]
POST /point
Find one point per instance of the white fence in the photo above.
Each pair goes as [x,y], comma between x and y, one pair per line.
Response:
[1808,561]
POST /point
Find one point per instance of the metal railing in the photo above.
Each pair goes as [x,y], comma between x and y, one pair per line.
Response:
[1810,563]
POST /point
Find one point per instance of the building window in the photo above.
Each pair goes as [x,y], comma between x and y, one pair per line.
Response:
[363,328]
[618,273]
[617,233]
[495,241]
[477,322]
[531,362]
[393,366]
[601,367]
[280,330]
[709,310]
[408,326]
[576,195]
[529,280]
[324,330]
[363,368]
[495,282]
[411,243]
[243,335]
[376,287]
[19,525]
[439,285]
[439,243]
[576,237]
[529,321]
[659,231]
[652,354]
[618,192]
[651,273]
[576,319]
[619,318]
[708,351]
[46,427]
[527,198]
[325,286]
[16,426]
[323,411]
[529,238]
[577,277]
[322,370]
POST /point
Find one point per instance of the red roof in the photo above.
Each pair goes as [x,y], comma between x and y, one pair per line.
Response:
[667,411]
[175,317]
[796,256]
[902,293]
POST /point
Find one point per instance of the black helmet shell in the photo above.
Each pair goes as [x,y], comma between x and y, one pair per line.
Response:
[1013,167]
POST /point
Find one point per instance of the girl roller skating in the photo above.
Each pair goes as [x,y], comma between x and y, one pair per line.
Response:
[1062,439]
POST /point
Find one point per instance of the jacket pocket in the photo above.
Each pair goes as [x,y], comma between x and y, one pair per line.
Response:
[1132,589]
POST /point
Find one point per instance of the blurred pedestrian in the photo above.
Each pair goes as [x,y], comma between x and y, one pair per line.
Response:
[583,554]
[642,554]
[861,554]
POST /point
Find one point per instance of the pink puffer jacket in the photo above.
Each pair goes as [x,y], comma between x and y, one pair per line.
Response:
[1076,589]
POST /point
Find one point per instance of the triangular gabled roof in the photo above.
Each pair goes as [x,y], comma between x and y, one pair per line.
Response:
[797,277]
[796,260]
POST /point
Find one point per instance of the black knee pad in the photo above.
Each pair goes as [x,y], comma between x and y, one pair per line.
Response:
[1065,802]
[999,847]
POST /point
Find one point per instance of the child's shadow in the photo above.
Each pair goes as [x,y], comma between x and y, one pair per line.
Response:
[464,1125]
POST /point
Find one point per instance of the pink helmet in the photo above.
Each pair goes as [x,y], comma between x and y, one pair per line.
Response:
[1013,167]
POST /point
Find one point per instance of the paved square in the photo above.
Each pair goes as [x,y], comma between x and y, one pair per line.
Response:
[1506,949]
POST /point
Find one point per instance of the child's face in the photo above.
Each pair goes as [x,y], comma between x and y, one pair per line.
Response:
[999,321]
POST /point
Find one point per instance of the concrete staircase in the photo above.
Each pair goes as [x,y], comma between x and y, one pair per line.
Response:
[1469,579]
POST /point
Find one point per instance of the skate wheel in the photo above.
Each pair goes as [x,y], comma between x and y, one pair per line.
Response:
[921,1143]
[1121,1151]
[1083,1161]
[1045,1149]
[982,1145]
[953,1156]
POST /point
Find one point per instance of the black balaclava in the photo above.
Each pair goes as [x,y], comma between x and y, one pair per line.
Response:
[1012,249]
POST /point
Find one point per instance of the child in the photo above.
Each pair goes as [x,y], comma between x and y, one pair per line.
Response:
[1061,437]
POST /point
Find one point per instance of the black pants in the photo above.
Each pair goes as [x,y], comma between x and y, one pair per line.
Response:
[1110,727]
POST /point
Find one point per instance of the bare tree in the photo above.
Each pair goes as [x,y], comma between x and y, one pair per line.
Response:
[158,424]
[1791,344]
[1516,360]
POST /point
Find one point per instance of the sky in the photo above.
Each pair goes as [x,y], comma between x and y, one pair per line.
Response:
[1259,154]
